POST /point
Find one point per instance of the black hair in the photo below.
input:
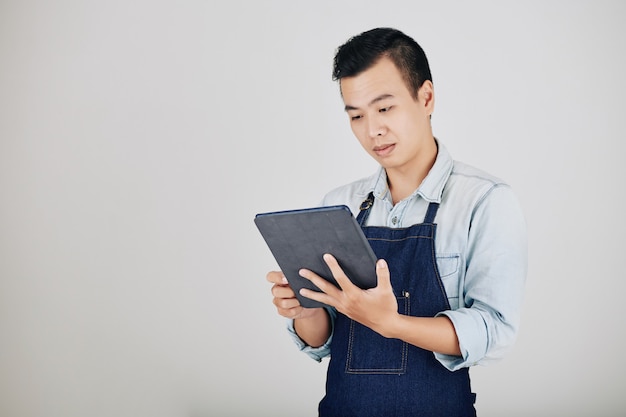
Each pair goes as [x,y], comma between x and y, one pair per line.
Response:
[362,51]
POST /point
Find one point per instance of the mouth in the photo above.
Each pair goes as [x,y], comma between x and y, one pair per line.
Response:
[384,150]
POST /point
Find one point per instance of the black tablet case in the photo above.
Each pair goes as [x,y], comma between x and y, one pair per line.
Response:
[299,238]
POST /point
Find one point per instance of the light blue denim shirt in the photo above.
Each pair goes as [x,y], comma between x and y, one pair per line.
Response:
[481,247]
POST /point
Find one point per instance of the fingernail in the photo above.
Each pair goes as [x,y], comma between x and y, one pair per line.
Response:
[381,264]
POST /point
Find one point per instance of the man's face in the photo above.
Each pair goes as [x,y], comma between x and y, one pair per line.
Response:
[392,126]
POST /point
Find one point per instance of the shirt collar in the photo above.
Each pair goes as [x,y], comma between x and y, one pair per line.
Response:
[431,188]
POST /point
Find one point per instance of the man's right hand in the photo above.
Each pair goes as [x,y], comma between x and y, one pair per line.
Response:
[285,298]
[311,324]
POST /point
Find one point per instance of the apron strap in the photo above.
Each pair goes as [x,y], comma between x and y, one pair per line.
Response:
[364,209]
[431,213]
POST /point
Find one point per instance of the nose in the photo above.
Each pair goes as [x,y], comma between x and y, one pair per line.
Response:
[375,126]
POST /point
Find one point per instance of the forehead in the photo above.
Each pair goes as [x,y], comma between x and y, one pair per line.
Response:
[382,78]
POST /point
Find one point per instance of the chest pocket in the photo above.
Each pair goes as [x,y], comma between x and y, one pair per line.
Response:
[371,353]
[448,266]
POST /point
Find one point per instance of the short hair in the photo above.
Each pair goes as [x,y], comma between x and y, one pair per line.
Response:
[362,51]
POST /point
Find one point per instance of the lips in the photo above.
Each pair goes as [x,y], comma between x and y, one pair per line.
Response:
[383,150]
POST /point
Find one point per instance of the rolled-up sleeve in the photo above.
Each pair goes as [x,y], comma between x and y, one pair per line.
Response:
[317,353]
[487,322]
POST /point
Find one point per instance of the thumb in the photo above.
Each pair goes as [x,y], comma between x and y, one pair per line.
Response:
[382,273]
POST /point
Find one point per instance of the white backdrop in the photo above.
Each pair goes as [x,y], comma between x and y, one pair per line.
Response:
[139,138]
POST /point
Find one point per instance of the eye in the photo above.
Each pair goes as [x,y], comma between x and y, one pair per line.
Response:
[357,117]
[384,109]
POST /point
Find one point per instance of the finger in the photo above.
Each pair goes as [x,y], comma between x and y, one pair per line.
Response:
[342,279]
[328,293]
[282,291]
[318,296]
[383,275]
[286,303]
[319,282]
[276,277]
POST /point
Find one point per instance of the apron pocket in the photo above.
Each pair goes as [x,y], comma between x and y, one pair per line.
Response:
[371,353]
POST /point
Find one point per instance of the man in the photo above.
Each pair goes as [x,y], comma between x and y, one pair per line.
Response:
[451,243]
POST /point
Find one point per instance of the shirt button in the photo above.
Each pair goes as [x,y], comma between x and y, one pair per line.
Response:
[394,220]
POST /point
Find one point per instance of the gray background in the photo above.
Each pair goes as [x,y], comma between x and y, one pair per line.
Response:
[139,138]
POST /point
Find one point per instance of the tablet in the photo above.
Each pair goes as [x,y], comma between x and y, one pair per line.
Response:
[299,238]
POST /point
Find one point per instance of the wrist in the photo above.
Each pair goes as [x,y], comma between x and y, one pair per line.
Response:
[313,328]
[389,327]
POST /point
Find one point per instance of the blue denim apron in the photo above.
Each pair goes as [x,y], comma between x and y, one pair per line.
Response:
[370,375]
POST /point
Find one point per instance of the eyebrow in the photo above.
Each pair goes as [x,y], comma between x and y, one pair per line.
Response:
[375,100]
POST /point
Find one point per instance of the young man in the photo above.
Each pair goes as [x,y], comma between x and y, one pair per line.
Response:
[451,243]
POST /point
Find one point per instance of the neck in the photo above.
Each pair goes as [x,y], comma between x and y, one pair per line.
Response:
[404,180]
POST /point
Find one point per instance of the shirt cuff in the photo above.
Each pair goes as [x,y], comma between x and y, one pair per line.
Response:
[317,353]
[472,335]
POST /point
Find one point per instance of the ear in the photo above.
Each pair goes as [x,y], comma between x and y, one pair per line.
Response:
[426,96]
